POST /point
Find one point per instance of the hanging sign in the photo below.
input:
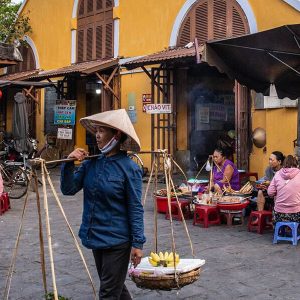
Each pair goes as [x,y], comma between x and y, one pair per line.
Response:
[146,100]
[64,133]
[163,108]
[64,112]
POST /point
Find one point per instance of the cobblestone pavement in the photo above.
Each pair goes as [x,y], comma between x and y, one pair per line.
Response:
[239,264]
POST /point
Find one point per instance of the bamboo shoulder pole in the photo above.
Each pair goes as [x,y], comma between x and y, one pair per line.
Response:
[46,208]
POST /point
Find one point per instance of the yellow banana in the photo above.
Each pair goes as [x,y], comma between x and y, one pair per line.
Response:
[152,262]
[166,255]
[161,256]
[170,257]
[154,257]
[177,259]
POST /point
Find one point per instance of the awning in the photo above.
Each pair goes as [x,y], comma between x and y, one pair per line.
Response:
[260,59]
[84,68]
[255,60]
[19,75]
[6,83]
[180,54]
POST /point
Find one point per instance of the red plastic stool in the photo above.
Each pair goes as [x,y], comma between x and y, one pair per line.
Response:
[4,203]
[185,207]
[206,215]
[262,217]
[162,204]
[2,206]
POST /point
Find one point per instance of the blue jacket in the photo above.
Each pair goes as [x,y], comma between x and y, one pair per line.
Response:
[112,209]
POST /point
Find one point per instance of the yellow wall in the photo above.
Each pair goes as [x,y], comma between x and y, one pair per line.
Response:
[51,24]
[139,84]
[273,13]
[145,27]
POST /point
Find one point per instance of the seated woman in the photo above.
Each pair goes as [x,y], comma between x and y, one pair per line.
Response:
[285,187]
[275,163]
[225,172]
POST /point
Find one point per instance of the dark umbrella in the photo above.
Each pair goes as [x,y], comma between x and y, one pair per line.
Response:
[20,126]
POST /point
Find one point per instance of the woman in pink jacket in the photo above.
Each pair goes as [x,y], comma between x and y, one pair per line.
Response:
[285,187]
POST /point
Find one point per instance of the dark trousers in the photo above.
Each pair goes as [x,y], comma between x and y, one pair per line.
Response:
[112,265]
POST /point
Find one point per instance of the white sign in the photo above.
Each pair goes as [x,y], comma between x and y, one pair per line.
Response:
[64,133]
[163,108]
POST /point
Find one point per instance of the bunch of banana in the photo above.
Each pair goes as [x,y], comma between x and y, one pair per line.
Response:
[163,259]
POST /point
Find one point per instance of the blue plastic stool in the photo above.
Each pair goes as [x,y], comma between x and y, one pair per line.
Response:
[281,230]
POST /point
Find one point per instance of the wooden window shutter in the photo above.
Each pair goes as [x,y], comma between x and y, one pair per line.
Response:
[109,4]
[238,27]
[81,8]
[219,19]
[90,5]
[99,41]
[89,44]
[185,34]
[201,20]
[80,43]
[99,5]
[95,30]
[108,40]
[31,61]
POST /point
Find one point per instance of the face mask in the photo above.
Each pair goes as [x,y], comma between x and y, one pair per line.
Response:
[109,146]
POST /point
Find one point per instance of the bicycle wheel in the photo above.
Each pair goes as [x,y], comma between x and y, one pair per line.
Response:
[138,161]
[15,181]
[50,153]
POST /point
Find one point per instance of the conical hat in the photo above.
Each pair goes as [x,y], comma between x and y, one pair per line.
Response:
[117,119]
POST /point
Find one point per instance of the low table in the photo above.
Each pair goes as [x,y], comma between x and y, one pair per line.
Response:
[232,210]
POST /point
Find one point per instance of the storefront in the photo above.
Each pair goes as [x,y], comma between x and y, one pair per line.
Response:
[206,105]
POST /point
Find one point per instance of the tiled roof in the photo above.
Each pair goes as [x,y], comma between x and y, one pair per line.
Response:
[163,56]
[80,68]
[20,75]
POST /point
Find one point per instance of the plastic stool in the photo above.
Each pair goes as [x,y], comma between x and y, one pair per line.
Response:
[2,206]
[185,208]
[278,230]
[4,203]
[206,215]
[262,217]
[162,204]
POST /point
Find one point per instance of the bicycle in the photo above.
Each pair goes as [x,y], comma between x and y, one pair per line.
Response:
[49,152]
[15,179]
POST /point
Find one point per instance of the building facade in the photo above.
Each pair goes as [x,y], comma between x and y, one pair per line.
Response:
[204,102]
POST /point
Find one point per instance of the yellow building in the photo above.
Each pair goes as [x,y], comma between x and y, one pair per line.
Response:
[71,31]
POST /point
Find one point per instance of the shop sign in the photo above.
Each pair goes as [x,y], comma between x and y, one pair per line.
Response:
[146,100]
[64,133]
[163,108]
[64,112]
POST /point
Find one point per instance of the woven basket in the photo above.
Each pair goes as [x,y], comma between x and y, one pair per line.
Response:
[165,282]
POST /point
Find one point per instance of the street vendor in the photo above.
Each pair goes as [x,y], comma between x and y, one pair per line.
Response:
[112,221]
[275,163]
[224,172]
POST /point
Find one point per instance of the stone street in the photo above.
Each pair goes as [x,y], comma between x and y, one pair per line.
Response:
[239,264]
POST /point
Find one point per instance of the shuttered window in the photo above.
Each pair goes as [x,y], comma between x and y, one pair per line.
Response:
[95,30]
[28,62]
[213,19]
